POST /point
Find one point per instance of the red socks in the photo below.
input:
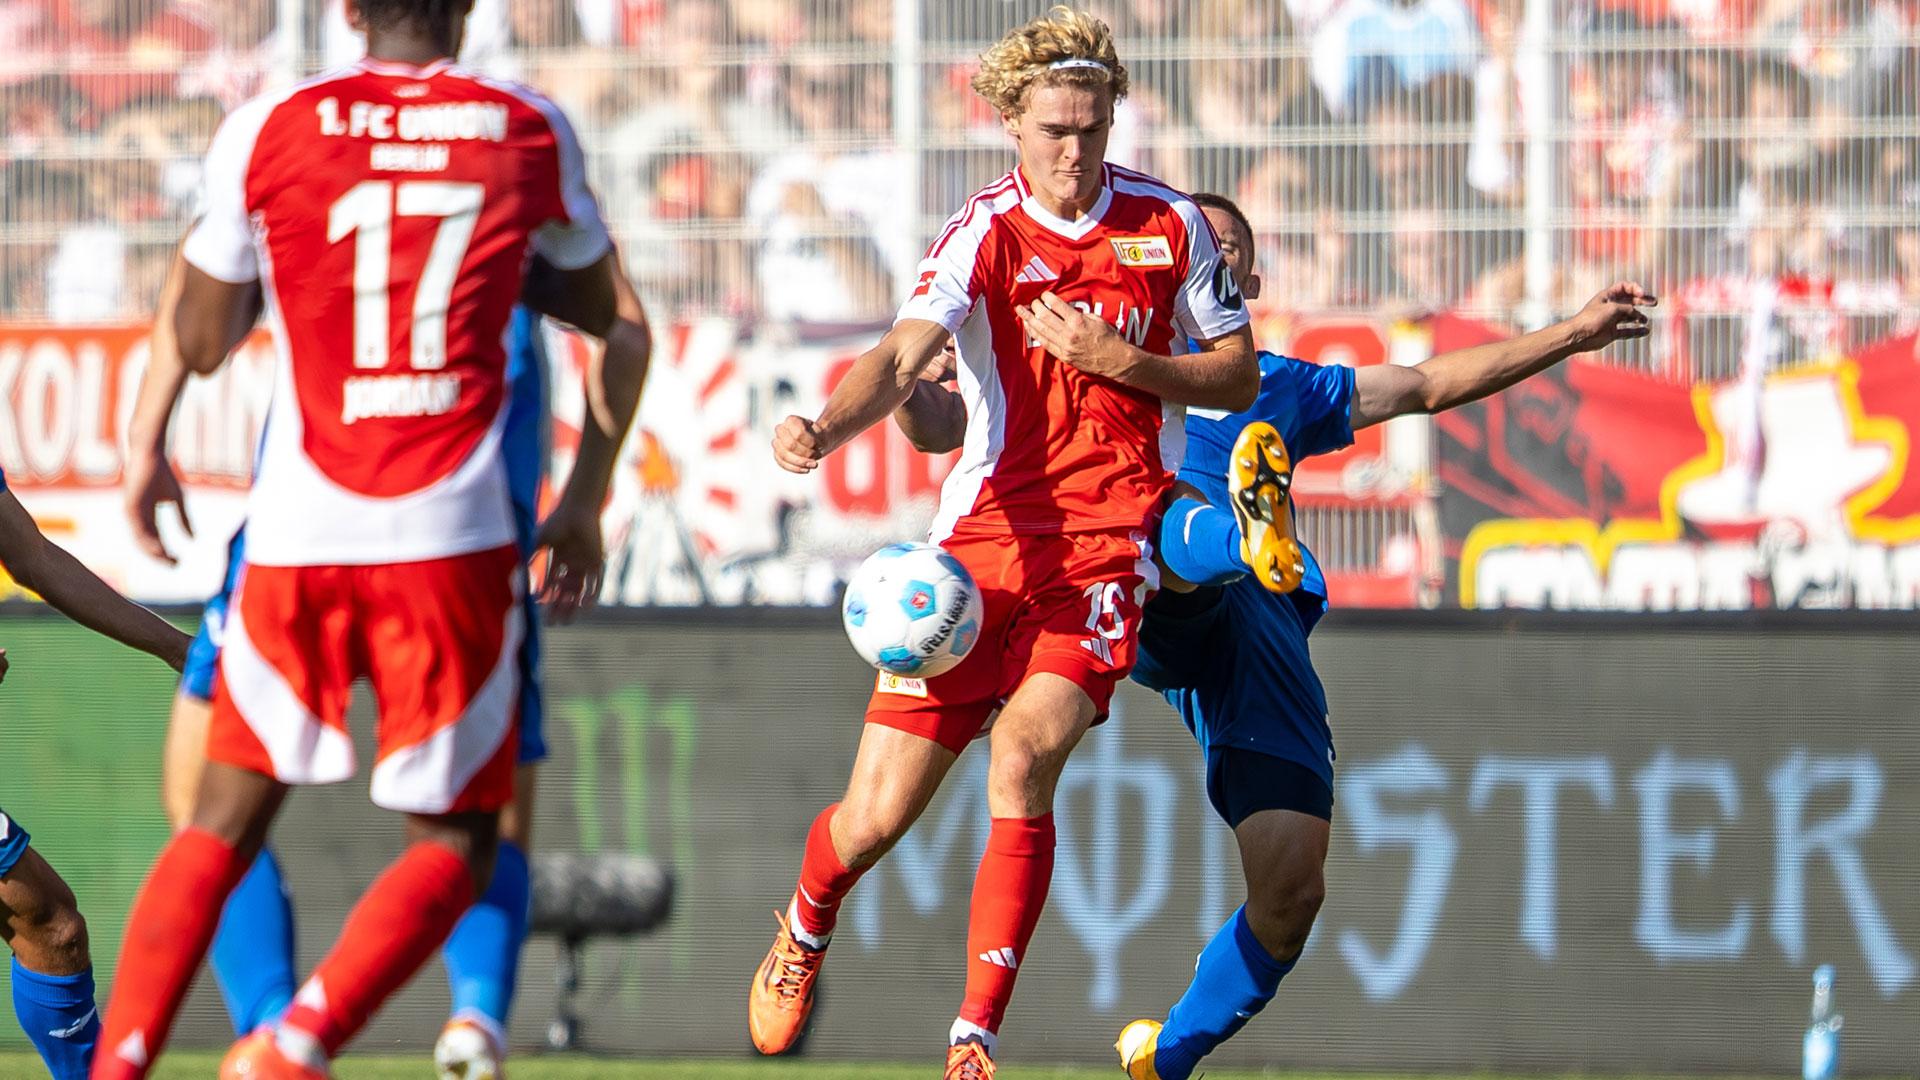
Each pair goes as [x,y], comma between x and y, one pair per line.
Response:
[401,920]
[1008,893]
[824,883]
[168,931]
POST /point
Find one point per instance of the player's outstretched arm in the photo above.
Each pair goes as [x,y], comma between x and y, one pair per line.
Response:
[148,480]
[934,418]
[74,591]
[1223,374]
[1384,391]
[879,383]
[599,301]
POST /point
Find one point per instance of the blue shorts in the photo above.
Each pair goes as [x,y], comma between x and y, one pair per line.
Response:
[1232,661]
[13,843]
[196,678]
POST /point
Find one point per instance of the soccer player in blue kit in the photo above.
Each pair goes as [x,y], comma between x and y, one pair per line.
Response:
[52,973]
[1227,645]
[253,950]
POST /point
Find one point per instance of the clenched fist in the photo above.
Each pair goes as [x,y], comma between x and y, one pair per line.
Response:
[797,445]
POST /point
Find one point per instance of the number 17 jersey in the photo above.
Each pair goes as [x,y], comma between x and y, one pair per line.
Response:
[388,212]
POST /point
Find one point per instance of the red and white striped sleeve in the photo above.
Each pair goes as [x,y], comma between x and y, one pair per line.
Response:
[951,275]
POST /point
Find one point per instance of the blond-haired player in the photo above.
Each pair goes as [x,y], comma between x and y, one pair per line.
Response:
[1063,469]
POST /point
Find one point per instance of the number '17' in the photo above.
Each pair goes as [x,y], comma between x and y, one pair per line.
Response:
[366,212]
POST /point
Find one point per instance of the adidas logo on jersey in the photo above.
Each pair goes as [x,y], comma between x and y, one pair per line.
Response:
[1037,271]
[1098,646]
[1001,958]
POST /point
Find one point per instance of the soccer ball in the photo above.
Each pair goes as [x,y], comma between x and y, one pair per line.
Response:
[912,609]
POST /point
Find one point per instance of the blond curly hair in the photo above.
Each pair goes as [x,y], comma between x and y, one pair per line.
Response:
[1024,58]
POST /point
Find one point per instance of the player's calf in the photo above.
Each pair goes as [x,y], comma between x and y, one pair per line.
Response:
[1281,913]
[52,974]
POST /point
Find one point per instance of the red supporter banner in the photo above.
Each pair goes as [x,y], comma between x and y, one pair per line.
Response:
[1600,487]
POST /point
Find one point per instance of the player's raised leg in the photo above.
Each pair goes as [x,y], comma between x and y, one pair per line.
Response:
[1282,853]
[52,972]
[1202,544]
[895,775]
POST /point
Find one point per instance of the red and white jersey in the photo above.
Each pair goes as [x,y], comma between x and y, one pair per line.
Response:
[388,212]
[1048,448]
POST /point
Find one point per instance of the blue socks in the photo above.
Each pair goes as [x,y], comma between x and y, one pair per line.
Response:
[253,949]
[58,1015]
[1200,543]
[483,952]
[1235,979]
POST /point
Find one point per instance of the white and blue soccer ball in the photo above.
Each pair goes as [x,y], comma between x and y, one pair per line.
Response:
[912,610]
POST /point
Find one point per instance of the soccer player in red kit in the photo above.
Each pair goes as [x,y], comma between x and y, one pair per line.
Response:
[387,215]
[1049,507]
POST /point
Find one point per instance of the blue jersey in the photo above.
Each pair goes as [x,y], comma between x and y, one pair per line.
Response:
[1240,673]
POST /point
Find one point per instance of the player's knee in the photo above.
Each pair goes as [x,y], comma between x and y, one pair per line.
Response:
[1022,776]
[67,937]
[54,941]
[865,830]
[475,838]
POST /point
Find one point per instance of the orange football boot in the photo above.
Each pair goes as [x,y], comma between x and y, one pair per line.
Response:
[258,1057]
[968,1060]
[782,994]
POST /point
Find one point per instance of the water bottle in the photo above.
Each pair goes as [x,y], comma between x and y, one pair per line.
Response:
[1820,1053]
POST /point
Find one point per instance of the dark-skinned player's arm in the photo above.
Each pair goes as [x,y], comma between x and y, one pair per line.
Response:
[880,382]
[148,480]
[71,589]
[598,301]
[211,318]
[1384,391]
[1223,372]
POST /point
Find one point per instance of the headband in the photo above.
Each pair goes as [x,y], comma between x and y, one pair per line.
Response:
[1062,65]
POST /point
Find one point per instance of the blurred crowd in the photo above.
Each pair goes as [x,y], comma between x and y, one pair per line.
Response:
[786,159]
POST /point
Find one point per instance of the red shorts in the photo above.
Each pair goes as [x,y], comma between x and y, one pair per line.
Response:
[437,640]
[1067,604]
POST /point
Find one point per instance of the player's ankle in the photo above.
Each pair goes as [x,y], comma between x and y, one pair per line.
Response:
[814,938]
[964,1029]
[300,1046]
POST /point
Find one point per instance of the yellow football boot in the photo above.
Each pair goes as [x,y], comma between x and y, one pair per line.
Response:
[1136,1045]
[1258,478]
